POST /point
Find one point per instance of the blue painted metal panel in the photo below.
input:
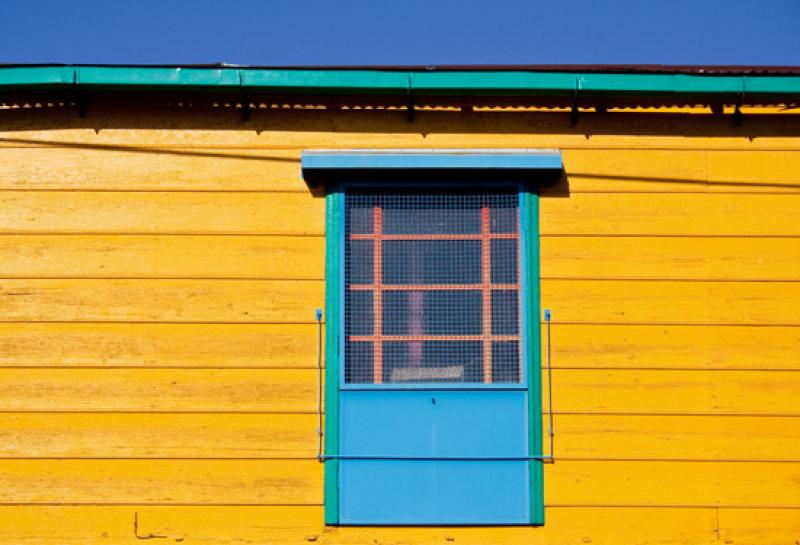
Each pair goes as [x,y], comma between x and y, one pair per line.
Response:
[434,423]
[429,159]
[434,492]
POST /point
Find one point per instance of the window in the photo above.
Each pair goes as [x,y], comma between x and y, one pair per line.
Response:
[432,287]
[432,347]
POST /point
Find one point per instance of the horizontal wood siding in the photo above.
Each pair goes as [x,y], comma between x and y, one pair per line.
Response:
[242,435]
[293,525]
[159,274]
[293,482]
[578,390]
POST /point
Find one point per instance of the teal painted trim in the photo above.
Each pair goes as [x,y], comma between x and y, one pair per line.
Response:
[376,82]
[659,84]
[333,324]
[788,85]
[326,81]
[400,159]
[157,77]
[534,362]
[37,76]
[494,83]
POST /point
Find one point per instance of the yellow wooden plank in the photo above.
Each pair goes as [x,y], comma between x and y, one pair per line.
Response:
[161,212]
[273,301]
[158,345]
[579,437]
[302,213]
[671,258]
[780,169]
[295,525]
[164,256]
[52,435]
[671,302]
[707,170]
[617,391]
[563,526]
[208,390]
[599,183]
[573,301]
[672,346]
[172,524]
[671,214]
[627,170]
[261,482]
[759,526]
[131,256]
[354,128]
[291,345]
[644,165]
[150,169]
[212,345]
[623,391]
[706,484]
[289,482]
[301,257]
[92,525]
[732,438]
[192,169]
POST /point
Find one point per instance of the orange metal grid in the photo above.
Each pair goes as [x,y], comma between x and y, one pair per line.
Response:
[377,269]
[430,287]
[486,292]
[390,338]
[464,236]
[486,287]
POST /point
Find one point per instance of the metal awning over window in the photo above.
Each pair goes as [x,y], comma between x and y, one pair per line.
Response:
[440,166]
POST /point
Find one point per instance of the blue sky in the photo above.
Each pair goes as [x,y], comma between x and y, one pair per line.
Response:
[305,32]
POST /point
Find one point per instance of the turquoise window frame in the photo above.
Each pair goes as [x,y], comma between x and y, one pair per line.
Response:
[339,167]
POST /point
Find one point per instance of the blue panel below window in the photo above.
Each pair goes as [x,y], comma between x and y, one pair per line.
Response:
[436,423]
[470,448]
[434,492]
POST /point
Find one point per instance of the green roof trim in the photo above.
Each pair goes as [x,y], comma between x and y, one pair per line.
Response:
[345,81]
[36,76]
[375,81]
[156,77]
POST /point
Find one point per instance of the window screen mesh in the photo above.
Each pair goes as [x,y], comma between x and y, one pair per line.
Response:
[432,289]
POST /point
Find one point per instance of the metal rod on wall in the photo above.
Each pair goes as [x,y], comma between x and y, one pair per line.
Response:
[551,431]
[318,316]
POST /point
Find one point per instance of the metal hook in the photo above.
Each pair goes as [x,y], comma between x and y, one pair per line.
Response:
[244,100]
[737,111]
[573,113]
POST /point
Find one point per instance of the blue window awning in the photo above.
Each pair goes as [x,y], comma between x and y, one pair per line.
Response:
[440,165]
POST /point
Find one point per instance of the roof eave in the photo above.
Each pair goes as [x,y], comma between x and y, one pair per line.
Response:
[393,82]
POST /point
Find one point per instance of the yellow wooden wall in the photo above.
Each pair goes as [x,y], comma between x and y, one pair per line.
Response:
[159,273]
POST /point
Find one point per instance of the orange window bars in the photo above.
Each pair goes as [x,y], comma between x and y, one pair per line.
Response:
[432,287]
